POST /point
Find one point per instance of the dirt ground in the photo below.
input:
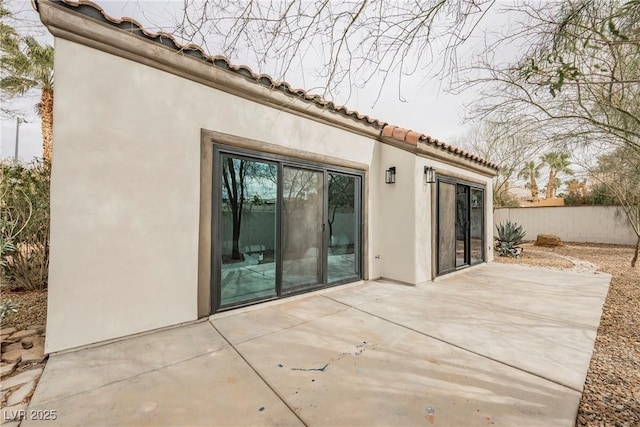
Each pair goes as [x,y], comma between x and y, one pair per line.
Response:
[611,394]
[32,309]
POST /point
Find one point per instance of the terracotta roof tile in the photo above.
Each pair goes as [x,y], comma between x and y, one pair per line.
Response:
[388,130]
[411,137]
[399,134]
[130,25]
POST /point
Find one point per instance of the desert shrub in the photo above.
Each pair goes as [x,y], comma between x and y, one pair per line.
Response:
[600,194]
[504,199]
[573,199]
[24,225]
[510,235]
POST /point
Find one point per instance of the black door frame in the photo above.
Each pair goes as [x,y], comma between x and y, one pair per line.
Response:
[220,150]
[467,255]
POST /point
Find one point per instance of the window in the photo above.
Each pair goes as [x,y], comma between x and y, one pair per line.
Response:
[281,226]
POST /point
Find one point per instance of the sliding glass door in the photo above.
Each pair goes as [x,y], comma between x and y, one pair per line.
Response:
[248,224]
[302,231]
[460,225]
[343,222]
[281,227]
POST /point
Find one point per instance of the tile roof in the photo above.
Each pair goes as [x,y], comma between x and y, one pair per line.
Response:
[411,137]
[130,25]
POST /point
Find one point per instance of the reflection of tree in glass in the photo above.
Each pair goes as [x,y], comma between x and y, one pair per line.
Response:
[341,195]
[237,176]
[461,213]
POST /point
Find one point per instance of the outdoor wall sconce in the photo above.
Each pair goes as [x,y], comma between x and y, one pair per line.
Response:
[390,175]
[429,175]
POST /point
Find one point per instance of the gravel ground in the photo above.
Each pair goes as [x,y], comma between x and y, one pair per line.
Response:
[32,309]
[532,256]
[611,395]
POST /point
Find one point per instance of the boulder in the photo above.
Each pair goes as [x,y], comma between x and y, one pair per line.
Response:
[548,240]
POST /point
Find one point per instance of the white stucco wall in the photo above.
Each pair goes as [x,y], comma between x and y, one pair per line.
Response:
[594,224]
[396,217]
[125,189]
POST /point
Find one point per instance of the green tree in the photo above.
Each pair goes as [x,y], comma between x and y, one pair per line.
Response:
[531,172]
[493,141]
[27,65]
[619,174]
[558,162]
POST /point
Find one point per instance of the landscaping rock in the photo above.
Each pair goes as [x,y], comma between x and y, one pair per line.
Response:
[21,378]
[8,340]
[20,394]
[27,343]
[25,333]
[7,331]
[13,356]
[548,240]
[36,353]
[5,344]
[14,346]
[7,368]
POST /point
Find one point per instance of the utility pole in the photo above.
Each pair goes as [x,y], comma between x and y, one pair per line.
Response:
[18,121]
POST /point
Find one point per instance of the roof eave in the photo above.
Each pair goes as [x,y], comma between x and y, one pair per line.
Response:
[428,150]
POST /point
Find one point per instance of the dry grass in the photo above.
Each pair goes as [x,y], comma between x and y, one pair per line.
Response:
[611,395]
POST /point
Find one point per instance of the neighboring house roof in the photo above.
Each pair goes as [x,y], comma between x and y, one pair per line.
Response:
[92,10]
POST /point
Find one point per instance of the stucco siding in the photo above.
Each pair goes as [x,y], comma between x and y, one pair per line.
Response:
[395,229]
[125,189]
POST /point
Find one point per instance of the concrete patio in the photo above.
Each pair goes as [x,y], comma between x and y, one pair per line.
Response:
[495,345]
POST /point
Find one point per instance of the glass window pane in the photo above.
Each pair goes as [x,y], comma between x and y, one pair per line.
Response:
[462,223]
[343,227]
[477,226]
[248,230]
[302,205]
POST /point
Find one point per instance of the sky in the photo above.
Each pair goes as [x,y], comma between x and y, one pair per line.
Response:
[427,107]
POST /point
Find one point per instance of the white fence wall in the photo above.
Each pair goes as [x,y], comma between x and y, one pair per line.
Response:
[595,224]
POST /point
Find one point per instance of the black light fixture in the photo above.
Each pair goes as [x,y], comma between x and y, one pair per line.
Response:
[429,175]
[390,175]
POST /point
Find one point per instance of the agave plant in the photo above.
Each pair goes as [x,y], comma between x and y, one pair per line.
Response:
[510,234]
[8,308]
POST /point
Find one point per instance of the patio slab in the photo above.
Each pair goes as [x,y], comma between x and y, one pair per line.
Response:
[495,345]
[539,320]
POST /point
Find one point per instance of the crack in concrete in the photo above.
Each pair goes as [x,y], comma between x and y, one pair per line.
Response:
[360,348]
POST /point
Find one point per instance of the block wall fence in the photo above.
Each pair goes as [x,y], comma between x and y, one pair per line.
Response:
[594,224]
